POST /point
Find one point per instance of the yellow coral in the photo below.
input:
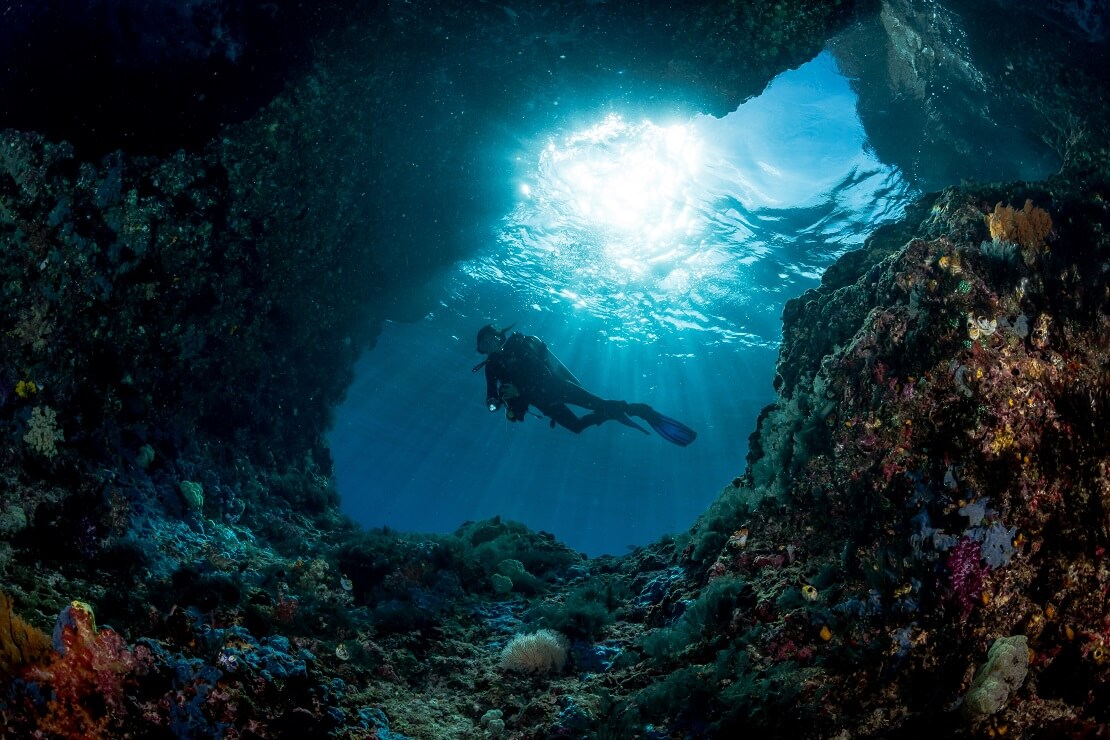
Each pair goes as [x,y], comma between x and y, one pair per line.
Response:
[26,388]
[1003,440]
[1028,227]
[20,643]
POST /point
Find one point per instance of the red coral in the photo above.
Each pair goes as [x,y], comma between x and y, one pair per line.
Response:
[285,611]
[87,677]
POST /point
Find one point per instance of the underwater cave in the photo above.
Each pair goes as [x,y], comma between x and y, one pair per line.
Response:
[259,481]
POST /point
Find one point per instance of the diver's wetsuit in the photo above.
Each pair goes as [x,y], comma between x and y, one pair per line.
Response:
[525,363]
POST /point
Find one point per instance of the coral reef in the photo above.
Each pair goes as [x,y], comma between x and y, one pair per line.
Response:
[920,534]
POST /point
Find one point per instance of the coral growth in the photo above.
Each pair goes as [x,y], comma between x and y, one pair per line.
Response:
[88,680]
[966,574]
[1028,227]
[543,651]
[997,679]
[20,643]
[43,434]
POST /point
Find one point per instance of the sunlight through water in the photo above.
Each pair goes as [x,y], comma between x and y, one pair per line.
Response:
[707,225]
[630,181]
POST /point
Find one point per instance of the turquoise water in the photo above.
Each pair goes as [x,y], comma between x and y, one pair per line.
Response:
[653,257]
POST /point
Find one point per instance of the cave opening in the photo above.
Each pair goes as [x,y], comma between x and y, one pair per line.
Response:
[654,258]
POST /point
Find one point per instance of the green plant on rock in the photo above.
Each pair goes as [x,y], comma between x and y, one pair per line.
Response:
[584,612]
[706,618]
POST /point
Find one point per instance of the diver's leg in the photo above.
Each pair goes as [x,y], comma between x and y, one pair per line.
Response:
[578,396]
[560,414]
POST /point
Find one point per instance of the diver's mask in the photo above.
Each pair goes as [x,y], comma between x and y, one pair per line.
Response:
[492,339]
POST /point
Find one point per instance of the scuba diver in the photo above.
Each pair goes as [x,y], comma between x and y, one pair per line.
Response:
[521,372]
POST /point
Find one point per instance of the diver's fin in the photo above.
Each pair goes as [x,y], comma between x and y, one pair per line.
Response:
[672,430]
[623,419]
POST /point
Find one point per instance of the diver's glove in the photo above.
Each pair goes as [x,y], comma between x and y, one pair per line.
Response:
[515,406]
[493,404]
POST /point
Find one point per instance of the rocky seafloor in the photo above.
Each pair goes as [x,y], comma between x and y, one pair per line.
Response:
[918,541]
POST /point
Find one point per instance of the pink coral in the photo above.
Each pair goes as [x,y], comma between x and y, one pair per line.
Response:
[966,573]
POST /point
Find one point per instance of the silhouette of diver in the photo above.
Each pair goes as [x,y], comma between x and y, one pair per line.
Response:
[521,372]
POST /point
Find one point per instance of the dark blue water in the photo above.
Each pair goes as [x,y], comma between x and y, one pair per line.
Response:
[655,259]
